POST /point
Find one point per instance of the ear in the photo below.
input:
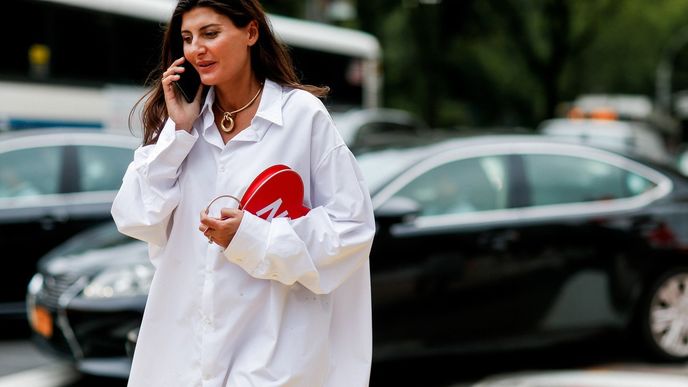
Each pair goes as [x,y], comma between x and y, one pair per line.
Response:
[253,34]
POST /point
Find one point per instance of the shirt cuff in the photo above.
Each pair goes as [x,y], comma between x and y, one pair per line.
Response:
[173,145]
[169,151]
[249,243]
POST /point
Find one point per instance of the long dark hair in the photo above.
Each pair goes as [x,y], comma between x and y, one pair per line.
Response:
[269,57]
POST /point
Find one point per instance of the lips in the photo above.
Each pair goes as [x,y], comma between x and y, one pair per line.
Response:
[204,64]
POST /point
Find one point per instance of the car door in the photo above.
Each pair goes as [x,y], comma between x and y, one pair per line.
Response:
[438,279]
[32,214]
[582,218]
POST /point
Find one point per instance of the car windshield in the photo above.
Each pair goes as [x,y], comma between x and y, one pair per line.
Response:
[380,167]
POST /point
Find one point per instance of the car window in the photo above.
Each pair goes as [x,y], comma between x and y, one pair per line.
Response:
[102,167]
[30,172]
[461,186]
[569,179]
[380,167]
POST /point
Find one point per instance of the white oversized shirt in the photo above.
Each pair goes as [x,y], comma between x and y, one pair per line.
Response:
[288,302]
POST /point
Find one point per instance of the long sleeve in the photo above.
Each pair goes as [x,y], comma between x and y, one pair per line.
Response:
[322,249]
[150,192]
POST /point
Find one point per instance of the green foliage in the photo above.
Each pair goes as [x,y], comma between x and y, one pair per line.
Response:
[511,62]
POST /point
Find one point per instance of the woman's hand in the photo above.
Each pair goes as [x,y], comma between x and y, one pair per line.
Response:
[182,113]
[221,231]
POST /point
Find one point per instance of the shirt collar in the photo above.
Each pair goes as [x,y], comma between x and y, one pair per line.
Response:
[207,110]
[269,109]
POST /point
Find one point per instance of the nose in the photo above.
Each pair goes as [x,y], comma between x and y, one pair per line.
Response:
[195,48]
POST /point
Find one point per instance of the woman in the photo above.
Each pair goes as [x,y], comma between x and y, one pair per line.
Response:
[280,303]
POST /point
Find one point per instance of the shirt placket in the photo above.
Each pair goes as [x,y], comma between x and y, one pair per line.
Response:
[207,294]
[207,314]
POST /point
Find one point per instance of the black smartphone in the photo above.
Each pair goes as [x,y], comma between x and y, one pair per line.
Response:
[189,82]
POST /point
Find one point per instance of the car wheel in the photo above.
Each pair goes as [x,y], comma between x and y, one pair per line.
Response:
[664,316]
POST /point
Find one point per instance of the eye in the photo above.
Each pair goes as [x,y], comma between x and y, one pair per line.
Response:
[211,34]
[186,39]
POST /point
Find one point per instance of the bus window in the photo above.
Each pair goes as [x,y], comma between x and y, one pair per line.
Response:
[100,54]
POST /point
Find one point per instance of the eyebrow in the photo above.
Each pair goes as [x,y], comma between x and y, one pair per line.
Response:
[204,27]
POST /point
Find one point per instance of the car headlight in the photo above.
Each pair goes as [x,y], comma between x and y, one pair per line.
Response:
[35,285]
[126,281]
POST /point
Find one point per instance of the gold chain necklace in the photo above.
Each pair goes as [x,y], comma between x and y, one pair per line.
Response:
[229,116]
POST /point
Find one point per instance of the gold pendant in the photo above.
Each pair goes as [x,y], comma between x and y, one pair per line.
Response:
[227,117]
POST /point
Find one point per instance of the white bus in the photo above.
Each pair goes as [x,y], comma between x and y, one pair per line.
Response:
[84,62]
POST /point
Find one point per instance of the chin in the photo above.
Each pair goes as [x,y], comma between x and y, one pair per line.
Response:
[209,81]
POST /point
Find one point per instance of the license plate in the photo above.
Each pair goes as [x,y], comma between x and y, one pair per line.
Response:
[42,322]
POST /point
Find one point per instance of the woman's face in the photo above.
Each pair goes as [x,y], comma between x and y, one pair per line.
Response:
[216,47]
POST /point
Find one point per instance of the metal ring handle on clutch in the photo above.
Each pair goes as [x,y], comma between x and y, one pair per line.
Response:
[207,209]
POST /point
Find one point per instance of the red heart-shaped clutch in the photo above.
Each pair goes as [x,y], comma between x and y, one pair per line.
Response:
[276,192]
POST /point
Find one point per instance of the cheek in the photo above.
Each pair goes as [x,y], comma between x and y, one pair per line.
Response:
[233,50]
[187,51]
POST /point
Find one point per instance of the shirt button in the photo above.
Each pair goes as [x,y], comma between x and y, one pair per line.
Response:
[222,169]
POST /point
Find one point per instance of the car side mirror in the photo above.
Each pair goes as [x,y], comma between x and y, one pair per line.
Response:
[396,210]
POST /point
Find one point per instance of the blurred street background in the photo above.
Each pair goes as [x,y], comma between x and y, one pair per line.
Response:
[527,160]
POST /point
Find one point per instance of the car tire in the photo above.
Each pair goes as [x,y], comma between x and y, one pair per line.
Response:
[663,316]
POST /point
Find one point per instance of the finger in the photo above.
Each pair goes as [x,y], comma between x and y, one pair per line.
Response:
[203,228]
[205,214]
[211,222]
[226,213]
[204,217]
[172,70]
[175,67]
[168,79]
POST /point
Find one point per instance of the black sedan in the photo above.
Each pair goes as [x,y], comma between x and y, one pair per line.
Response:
[484,242]
[54,183]
[87,295]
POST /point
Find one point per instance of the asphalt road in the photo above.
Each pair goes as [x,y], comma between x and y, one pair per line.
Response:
[22,365]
